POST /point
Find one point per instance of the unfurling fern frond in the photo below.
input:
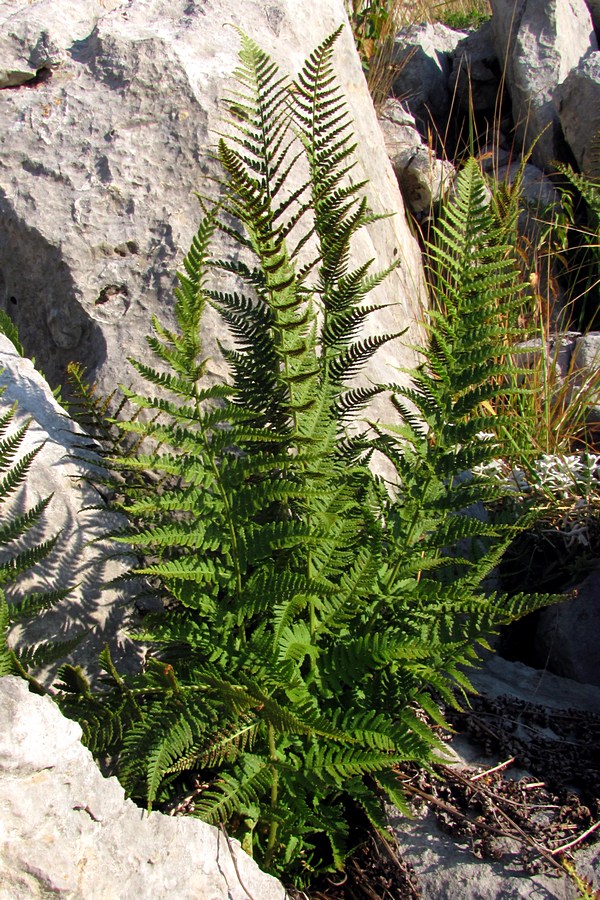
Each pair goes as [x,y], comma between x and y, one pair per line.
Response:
[308,612]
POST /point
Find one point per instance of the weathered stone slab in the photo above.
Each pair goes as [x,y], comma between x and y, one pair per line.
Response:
[586,372]
[577,100]
[423,178]
[67,832]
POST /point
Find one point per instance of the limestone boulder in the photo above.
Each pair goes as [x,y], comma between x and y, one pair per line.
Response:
[587,352]
[102,150]
[67,832]
[540,198]
[423,56]
[423,178]
[586,372]
[32,46]
[538,43]
[577,101]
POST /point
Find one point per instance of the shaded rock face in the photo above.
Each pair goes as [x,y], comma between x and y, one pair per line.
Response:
[66,831]
[594,7]
[476,77]
[566,637]
[423,54]
[579,92]
[102,150]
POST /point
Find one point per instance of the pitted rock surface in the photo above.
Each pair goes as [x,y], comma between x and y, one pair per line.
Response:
[68,832]
[100,159]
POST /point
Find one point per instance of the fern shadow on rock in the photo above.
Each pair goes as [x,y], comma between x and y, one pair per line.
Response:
[72,563]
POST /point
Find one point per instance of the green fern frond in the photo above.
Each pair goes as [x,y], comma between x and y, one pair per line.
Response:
[349,363]
[8,327]
[48,652]
[251,780]
[6,654]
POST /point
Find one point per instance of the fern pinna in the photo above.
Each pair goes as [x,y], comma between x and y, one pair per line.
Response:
[307,621]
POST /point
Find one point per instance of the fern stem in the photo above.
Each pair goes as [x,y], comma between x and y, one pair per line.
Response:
[274,790]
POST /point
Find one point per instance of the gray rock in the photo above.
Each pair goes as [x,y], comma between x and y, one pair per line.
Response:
[99,164]
[538,42]
[423,178]
[587,352]
[586,372]
[558,352]
[577,101]
[566,637]
[541,203]
[447,869]
[423,54]
[88,610]
[495,154]
[541,199]
[498,677]
[36,43]
[395,113]
[594,8]
[67,832]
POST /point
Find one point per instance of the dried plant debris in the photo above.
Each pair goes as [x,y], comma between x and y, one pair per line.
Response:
[559,746]
[375,871]
[540,816]
[498,815]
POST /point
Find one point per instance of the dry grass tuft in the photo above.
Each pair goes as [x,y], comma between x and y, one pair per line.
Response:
[375,24]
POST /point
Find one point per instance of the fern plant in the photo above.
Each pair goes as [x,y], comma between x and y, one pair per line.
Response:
[312,616]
